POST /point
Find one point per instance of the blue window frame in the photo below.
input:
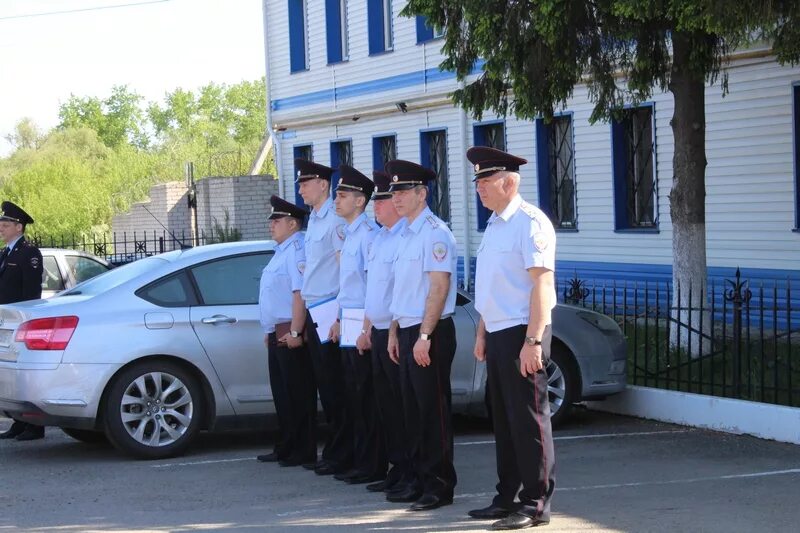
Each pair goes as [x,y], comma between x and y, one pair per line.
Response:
[305,151]
[297,36]
[341,154]
[492,134]
[384,148]
[336,30]
[426,32]
[379,24]
[555,161]
[796,134]
[633,154]
[433,155]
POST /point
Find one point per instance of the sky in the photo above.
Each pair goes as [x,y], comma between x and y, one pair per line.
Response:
[152,46]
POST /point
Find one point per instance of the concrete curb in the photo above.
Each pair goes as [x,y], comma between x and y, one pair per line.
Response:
[740,417]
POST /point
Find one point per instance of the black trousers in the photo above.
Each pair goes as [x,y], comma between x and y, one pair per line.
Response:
[329,379]
[521,417]
[389,401]
[290,376]
[369,455]
[427,406]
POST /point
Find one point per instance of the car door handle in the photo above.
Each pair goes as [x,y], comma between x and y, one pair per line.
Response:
[218,319]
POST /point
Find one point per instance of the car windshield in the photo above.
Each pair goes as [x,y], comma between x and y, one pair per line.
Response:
[117,276]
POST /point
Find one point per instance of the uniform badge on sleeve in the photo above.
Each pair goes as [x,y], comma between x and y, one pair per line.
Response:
[301,267]
[439,251]
[541,242]
[35,262]
[340,231]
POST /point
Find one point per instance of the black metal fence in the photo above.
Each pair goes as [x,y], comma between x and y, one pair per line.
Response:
[729,340]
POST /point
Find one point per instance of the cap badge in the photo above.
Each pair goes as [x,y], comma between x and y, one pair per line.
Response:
[299,173]
[477,167]
[395,178]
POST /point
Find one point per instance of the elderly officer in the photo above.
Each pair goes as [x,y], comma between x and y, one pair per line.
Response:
[323,242]
[20,279]
[375,335]
[422,336]
[283,317]
[514,294]
[352,195]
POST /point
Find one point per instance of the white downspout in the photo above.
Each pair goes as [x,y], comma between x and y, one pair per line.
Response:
[275,137]
[465,189]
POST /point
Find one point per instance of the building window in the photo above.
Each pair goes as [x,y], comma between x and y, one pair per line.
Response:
[297,36]
[555,158]
[384,149]
[635,188]
[341,154]
[493,135]
[336,30]
[379,21]
[796,131]
[433,155]
[301,152]
[426,32]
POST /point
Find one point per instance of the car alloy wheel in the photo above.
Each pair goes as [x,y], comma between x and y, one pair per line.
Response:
[156,409]
[561,384]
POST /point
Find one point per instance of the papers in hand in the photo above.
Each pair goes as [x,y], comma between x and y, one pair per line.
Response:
[352,322]
[324,314]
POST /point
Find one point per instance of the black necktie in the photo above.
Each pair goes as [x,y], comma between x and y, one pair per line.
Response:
[3,257]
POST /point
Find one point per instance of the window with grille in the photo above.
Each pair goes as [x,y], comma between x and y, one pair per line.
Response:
[301,152]
[556,170]
[433,147]
[384,149]
[796,133]
[492,135]
[336,30]
[341,154]
[635,189]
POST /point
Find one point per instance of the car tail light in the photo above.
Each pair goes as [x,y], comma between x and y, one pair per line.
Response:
[47,333]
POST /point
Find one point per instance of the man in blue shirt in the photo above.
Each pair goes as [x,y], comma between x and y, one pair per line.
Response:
[422,337]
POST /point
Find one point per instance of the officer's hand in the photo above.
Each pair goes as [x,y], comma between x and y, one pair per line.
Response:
[480,348]
[530,360]
[394,350]
[333,335]
[363,343]
[293,342]
[421,349]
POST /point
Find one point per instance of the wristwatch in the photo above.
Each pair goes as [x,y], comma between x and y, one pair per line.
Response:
[532,341]
[294,334]
[424,336]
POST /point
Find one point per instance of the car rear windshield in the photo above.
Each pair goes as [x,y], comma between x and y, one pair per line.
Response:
[118,276]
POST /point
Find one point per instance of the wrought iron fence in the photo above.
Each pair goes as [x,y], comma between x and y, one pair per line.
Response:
[725,339]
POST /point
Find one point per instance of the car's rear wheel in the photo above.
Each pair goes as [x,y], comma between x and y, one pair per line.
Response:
[153,410]
[86,435]
[562,381]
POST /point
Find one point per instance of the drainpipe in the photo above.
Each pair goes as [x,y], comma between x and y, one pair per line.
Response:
[465,188]
[276,145]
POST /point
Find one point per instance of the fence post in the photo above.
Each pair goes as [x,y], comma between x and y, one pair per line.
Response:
[738,294]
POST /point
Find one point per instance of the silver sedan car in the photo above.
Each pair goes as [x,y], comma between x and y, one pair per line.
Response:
[150,353]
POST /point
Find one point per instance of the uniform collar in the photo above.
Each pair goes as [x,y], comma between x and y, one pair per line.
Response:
[353,226]
[322,210]
[398,227]
[285,244]
[420,220]
[509,211]
[13,243]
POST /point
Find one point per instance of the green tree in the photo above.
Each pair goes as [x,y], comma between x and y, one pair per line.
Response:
[26,135]
[536,52]
[118,119]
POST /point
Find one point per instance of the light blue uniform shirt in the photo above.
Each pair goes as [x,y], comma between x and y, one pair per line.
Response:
[519,238]
[324,237]
[352,264]
[280,278]
[426,245]
[380,276]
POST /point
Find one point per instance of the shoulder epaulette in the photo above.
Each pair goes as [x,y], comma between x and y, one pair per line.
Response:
[297,245]
[528,209]
[432,221]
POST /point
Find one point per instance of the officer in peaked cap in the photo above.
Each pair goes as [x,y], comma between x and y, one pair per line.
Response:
[514,294]
[324,239]
[20,279]
[283,319]
[422,337]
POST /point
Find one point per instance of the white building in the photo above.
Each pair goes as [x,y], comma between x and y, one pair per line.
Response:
[351,80]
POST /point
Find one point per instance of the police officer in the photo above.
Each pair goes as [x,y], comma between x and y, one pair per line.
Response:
[352,195]
[422,337]
[375,336]
[283,317]
[324,239]
[20,279]
[514,294]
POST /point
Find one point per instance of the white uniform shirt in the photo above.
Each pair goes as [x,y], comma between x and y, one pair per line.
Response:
[427,245]
[519,238]
[352,265]
[324,237]
[280,278]
[380,278]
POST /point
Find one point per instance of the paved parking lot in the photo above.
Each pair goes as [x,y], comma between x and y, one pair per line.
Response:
[613,474]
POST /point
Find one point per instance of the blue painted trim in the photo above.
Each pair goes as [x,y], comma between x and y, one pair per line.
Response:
[543,166]
[796,150]
[375,17]
[333,30]
[424,31]
[297,36]
[390,83]
[297,151]
[425,160]
[479,139]
[634,231]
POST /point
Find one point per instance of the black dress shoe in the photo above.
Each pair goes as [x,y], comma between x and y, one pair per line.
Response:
[344,476]
[380,486]
[408,495]
[272,457]
[31,433]
[493,512]
[16,428]
[429,501]
[365,478]
[327,469]
[519,521]
[313,465]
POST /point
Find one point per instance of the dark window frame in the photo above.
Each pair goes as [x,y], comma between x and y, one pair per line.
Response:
[298,36]
[479,130]
[298,150]
[379,157]
[549,185]
[438,190]
[336,31]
